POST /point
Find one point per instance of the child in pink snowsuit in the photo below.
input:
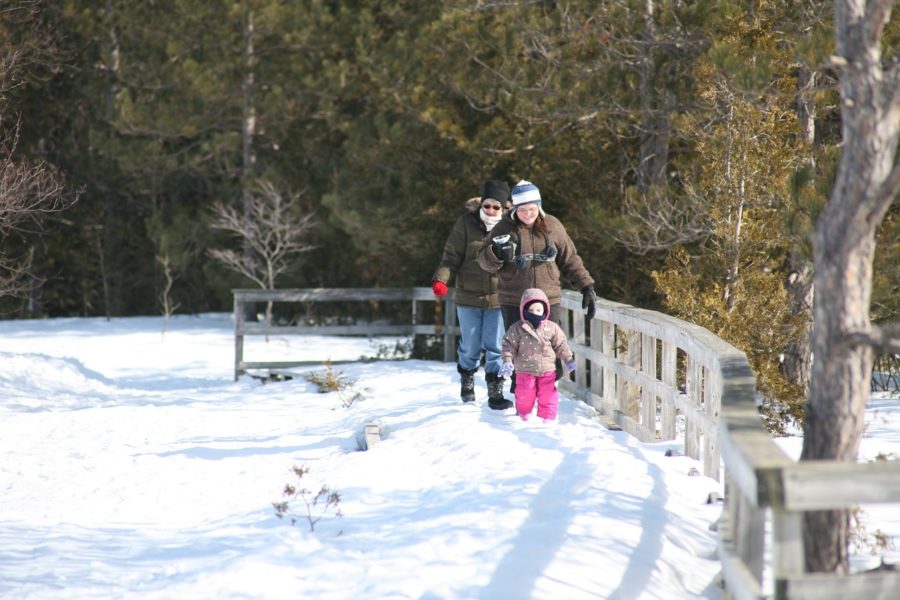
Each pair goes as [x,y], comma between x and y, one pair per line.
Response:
[530,347]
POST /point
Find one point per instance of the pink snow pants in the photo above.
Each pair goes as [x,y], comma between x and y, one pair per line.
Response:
[537,387]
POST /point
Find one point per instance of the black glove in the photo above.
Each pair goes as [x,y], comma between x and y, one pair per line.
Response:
[504,248]
[588,297]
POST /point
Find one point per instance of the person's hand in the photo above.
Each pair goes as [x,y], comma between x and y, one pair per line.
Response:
[588,298]
[506,370]
[503,248]
[570,365]
[439,288]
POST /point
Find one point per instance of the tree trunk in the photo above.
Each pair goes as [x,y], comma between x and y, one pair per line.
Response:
[248,156]
[800,290]
[799,282]
[806,108]
[844,247]
[656,129]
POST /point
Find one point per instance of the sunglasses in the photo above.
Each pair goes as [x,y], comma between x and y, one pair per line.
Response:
[491,206]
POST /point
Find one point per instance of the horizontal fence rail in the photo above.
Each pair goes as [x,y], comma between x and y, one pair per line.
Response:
[660,378]
[244,297]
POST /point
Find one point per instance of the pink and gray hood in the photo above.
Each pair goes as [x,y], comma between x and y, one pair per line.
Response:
[534,294]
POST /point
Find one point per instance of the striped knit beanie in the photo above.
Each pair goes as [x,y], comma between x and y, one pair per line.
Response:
[526,192]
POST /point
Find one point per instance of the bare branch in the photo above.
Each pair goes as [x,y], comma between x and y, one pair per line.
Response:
[15,277]
[883,339]
[664,223]
[28,193]
[270,232]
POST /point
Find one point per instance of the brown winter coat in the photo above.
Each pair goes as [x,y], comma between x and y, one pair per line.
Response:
[475,287]
[544,275]
[531,350]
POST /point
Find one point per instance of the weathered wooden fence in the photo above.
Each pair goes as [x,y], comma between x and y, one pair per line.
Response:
[413,296]
[661,378]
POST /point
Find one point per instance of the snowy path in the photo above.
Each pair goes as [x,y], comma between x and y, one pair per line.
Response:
[134,467]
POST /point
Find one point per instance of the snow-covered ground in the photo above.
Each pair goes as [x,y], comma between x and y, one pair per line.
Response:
[132,465]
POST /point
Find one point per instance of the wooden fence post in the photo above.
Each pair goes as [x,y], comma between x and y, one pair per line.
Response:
[449,326]
[631,399]
[238,336]
[669,372]
[577,336]
[749,535]
[787,544]
[597,376]
[648,398]
[608,347]
[692,388]
[712,405]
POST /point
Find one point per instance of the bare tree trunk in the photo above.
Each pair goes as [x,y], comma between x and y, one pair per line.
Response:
[806,108]
[168,305]
[844,247]
[799,286]
[101,261]
[115,63]
[248,162]
[799,282]
[654,138]
[733,169]
[35,305]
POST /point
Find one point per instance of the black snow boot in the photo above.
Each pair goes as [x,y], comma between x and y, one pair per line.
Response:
[495,392]
[466,384]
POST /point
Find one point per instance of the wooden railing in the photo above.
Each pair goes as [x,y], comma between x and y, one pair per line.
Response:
[242,328]
[661,378]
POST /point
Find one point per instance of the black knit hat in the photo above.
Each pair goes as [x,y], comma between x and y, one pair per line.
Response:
[497,190]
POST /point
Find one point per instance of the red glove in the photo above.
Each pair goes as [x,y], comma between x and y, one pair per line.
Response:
[439,288]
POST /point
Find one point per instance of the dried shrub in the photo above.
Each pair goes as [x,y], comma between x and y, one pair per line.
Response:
[315,505]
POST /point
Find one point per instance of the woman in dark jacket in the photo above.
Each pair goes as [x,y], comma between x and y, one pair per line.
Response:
[531,249]
[477,305]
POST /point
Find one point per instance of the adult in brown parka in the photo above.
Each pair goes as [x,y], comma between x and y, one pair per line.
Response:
[531,249]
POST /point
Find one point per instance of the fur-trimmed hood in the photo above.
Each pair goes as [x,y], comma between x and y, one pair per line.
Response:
[473,204]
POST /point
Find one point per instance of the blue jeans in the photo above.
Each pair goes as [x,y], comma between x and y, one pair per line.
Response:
[480,328]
